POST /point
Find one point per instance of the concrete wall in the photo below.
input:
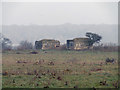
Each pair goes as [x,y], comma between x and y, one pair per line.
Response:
[81,43]
[47,44]
[78,43]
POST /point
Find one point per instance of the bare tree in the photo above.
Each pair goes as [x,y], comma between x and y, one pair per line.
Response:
[5,43]
[25,45]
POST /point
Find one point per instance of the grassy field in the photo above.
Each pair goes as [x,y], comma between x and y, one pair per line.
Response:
[59,69]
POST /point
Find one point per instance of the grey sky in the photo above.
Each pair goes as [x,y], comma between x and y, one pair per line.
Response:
[54,13]
[57,14]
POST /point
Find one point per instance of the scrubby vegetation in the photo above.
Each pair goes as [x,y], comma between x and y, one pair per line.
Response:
[59,69]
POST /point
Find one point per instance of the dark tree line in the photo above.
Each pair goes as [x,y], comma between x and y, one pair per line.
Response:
[6,43]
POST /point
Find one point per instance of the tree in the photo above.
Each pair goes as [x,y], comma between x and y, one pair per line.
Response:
[93,38]
[5,43]
[25,45]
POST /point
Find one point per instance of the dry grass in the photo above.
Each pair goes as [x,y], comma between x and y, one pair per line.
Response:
[54,69]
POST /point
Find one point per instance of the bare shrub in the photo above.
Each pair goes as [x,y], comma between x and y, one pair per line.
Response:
[25,45]
[106,47]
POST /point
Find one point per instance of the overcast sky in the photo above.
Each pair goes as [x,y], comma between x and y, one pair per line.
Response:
[59,13]
[54,13]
